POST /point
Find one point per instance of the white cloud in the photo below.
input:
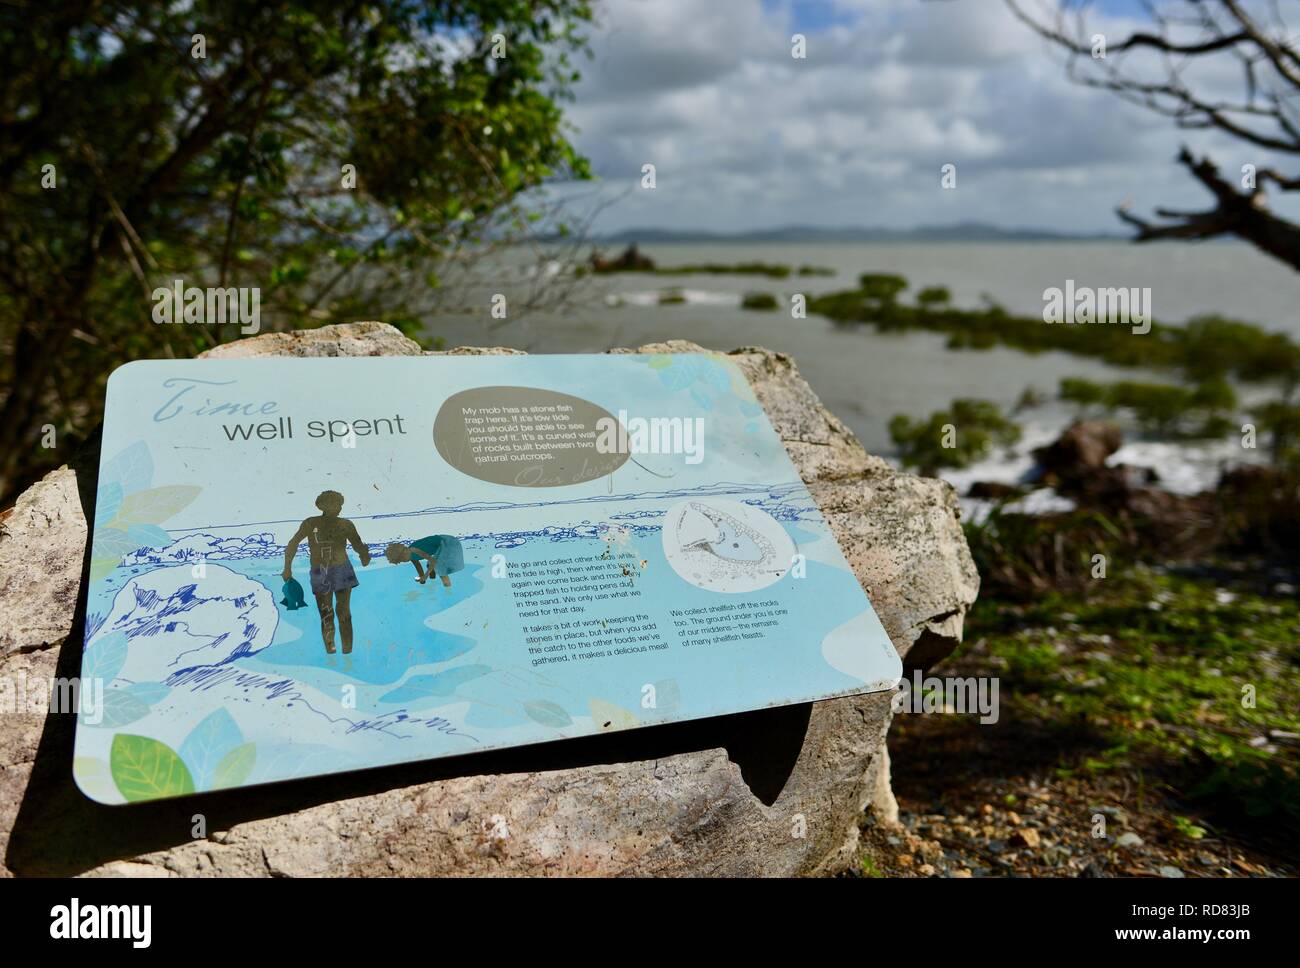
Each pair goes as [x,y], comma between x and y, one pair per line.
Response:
[745,136]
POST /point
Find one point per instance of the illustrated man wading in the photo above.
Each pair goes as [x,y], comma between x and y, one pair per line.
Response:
[332,577]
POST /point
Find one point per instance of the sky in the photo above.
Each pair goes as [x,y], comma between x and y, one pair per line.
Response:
[744,136]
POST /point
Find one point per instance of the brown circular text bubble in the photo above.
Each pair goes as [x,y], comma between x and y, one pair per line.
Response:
[526,437]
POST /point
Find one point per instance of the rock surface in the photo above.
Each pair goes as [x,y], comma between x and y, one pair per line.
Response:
[772,792]
[41,542]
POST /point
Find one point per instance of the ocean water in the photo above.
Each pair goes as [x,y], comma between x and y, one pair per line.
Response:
[866,377]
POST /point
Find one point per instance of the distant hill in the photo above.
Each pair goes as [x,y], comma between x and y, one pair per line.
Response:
[958,232]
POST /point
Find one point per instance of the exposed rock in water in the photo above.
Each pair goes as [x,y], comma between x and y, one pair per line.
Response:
[1075,465]
[995,491]
[168,626]
[630,261]
[1081,450]
[772,792]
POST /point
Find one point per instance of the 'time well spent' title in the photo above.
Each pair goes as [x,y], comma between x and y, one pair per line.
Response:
[190,399]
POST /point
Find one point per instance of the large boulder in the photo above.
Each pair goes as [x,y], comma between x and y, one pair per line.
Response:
[772,792]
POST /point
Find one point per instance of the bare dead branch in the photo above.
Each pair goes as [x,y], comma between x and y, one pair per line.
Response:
[1263,116]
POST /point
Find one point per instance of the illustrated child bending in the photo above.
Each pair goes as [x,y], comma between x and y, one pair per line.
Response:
[332,577]
[441,553]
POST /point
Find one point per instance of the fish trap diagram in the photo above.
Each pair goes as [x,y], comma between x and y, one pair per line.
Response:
[726,546]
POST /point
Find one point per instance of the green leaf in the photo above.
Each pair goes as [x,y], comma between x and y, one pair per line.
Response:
[145,769]
[609,717]
[547,713]
[93,779]
[235,767]
[154,505]
[102,567]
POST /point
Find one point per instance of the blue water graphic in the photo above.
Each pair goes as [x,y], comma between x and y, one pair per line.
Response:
[389,615]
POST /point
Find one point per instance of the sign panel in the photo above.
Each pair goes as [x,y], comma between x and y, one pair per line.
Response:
[306,566]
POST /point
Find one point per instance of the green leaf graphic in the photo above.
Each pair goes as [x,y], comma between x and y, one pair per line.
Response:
[235,767]
[145,769]
[93,779]
[547,713]
[102,567]
[154,505]
[609,717]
